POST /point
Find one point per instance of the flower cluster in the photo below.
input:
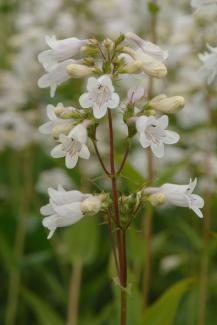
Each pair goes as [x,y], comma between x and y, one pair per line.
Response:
[104,63]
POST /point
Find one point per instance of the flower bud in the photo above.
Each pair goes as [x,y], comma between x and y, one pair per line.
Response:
[79,70]
[167,104]
[133,67]
[157,199]
[62,128]
[150,66]
[91,205]
[64,112]
[109,44]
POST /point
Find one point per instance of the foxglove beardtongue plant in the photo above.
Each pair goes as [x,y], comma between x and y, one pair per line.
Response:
[71,127]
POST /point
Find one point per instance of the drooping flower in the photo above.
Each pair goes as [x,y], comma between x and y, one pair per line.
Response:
[57,75]
[152,132]
[147,47]
[61,50]
[64,208]
[100,96]
[56,125]
[72,146]
[209,68]
[180,195]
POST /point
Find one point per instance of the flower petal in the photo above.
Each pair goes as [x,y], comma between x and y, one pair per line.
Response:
[79,133]
[92,83]
[143,140]
[171,137]
[84,152]
[71,161]
[99,111]
[158,149]
[141,123]
[197,211]
[47,210]
[57,152]
[114,101]
[163,121]
[71,211]
[85,101]
[50,113]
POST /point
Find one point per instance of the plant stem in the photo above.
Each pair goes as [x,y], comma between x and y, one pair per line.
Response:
[124,159]
[121,240]
[100,159]
[74,293]
[206,229]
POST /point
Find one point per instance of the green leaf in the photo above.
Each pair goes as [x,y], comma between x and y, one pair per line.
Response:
[163,311]
[45,314]
[80,242]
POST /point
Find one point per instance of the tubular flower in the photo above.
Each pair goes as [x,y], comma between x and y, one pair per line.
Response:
[55,123]
[55,77]
[180,195]
[64,208]
[152,132]
[72,146]
[61,50]
[100,96]
[147,47]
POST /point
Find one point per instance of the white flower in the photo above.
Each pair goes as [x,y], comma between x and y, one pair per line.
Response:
[200,3]
[147,47]
[55,122]
[135,94]
[181,195]
[100,96]
[72,146]
[55,76]
[148,63]
[63,209]
[61,50]
[152,132]
[209,69]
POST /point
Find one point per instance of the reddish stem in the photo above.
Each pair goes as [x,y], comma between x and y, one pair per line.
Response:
[120,232]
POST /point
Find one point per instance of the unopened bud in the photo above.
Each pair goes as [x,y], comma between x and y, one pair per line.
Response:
[157,199]
[167,104]
[79,70]
[64,128]
[150,66]
[91,205]
[109,44]
[133,67]
[64,112]
[89,50]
